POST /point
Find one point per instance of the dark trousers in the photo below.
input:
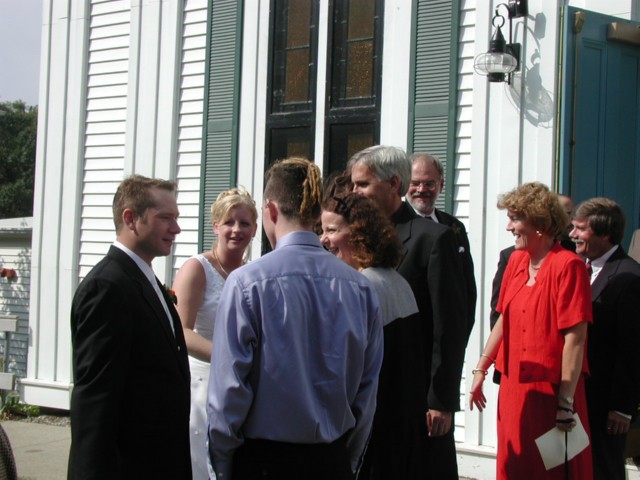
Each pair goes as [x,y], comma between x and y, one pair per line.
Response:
[266,459]
[442,461]
[607,450]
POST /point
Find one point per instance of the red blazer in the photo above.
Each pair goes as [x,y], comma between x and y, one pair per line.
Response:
[561,299]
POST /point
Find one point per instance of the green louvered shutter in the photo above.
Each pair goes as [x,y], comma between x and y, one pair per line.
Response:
[432,106]
[222,92]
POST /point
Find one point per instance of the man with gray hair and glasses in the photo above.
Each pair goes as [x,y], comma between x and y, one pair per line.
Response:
[426,185]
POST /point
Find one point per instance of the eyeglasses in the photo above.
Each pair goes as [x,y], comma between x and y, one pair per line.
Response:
[431,184]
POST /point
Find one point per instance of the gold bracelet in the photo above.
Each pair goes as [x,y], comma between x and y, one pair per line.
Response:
[479,370]
[493,360]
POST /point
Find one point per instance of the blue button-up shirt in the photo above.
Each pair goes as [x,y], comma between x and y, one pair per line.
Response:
[297,349]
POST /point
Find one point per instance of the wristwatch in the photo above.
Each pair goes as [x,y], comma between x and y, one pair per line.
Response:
[568,400]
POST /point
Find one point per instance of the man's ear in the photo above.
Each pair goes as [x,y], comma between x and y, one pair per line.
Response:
[273,211]
[394,181]
[129,219]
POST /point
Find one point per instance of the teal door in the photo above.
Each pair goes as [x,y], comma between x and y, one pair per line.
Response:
[600,114]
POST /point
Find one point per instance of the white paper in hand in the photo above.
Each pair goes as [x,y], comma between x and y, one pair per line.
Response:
[552,445]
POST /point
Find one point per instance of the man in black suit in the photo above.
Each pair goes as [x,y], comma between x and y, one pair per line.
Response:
[130,401]
[432,266]
[613,388]
[426,185]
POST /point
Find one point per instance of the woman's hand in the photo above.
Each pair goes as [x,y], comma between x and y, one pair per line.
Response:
[476,396]
[564,418]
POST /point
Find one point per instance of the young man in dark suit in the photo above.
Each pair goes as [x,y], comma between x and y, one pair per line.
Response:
[130,401]
[426,185]
[613,388]
[432,266]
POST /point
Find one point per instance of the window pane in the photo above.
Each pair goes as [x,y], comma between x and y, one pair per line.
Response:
[356,53]
[290,142]
[347,139]
[297,76]
[298,18]
[361,17]
[360,70]
[296,87]
[293,56]
[359,141]
[299,147]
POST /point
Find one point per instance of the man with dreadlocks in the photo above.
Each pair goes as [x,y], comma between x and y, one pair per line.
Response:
[297,349]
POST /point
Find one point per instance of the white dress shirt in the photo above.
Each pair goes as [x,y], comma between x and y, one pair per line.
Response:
[598,263]
[153,280]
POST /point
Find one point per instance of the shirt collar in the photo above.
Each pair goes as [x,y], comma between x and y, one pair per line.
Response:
[432,216]
[142,265]
[599,262]
[300,237]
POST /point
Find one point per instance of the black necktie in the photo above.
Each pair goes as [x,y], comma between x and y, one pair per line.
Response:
[589,269]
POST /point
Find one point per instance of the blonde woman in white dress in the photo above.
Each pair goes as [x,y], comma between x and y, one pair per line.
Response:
[197,287]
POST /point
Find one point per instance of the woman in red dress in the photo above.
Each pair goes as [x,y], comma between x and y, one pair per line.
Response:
[538,341]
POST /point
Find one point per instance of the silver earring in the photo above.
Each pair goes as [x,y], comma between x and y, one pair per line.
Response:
[539,233]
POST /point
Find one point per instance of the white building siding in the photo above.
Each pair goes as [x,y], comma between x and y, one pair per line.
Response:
[190,128]
[110,108]
[105,125]
[461,181]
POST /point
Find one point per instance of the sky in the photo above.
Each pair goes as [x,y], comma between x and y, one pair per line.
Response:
[20,33]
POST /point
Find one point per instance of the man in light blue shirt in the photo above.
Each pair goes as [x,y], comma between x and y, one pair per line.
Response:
[297,349]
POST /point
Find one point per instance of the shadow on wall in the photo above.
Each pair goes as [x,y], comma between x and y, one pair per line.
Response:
[527,91]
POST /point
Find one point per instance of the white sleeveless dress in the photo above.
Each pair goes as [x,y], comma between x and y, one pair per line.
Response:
[198,424]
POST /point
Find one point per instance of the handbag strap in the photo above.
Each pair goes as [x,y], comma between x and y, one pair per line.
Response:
[566,455]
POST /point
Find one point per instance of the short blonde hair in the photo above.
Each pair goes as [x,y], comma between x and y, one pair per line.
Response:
[229,199]
[539,206]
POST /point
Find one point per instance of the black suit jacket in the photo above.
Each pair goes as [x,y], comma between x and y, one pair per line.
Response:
[614,337]
[503,259]
[433,268]
[131,397]
[464,250]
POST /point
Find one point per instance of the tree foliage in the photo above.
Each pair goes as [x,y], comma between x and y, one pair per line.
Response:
[18,128]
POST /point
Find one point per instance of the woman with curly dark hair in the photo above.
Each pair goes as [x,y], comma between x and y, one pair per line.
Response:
[354,229]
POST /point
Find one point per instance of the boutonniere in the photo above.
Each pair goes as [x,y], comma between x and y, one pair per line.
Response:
[172,295]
